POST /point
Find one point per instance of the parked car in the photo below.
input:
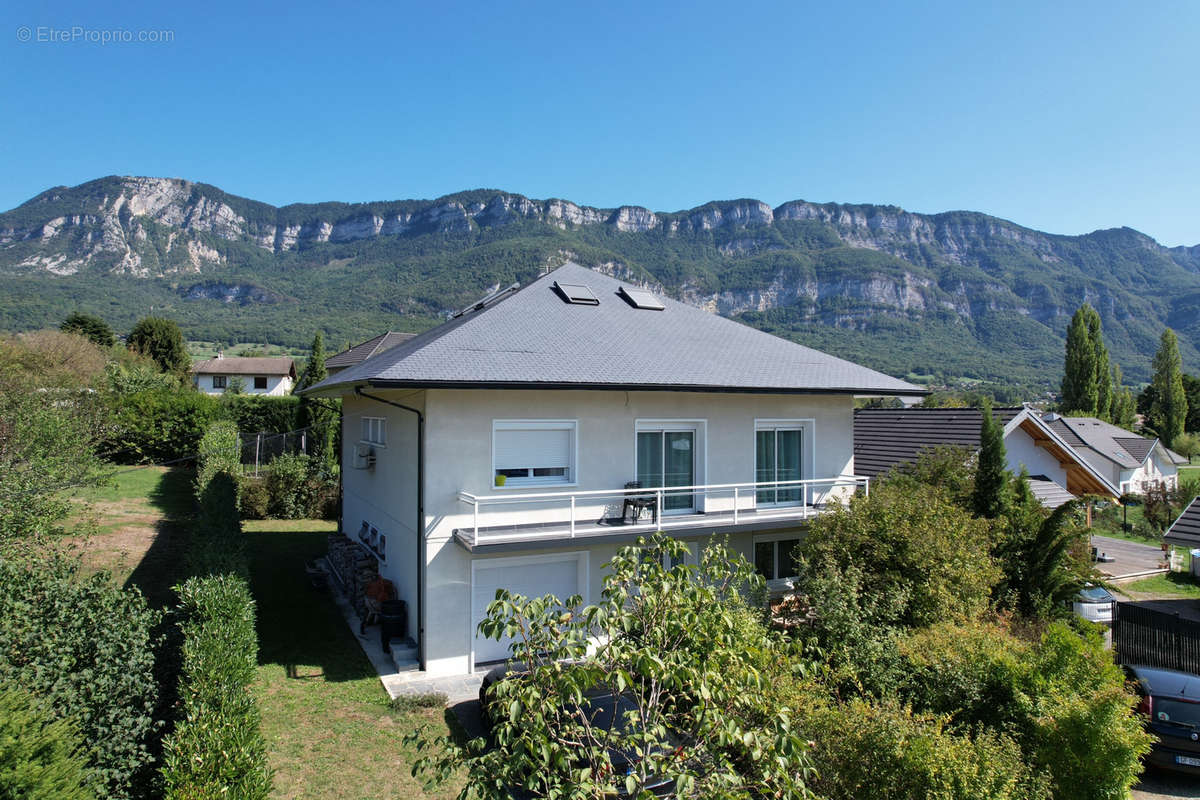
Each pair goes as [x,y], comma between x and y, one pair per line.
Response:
[604,708]
[1095,604]
[1171,703]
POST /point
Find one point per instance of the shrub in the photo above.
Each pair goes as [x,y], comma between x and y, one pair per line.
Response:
[925,558]
[217,749]
[256,497]
[261,414]
[85,649]
[40,756]
[290,487]
[886,752]
[161,425]
[219,452]
[1061,697]
[407,702]
[217,545]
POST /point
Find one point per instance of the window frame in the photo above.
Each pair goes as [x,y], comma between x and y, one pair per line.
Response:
[224,381]
[265,382]
[531,481]
[808,452]
[365,432]
[698,427]
[774,540]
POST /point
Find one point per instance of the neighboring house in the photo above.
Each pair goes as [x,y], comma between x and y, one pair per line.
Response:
[1185,531]
[885,438]
[274,376]
[361,352]
[1128,461]
[494,450]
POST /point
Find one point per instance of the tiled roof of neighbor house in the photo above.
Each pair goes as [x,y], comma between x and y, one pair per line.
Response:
[1116,444]
[245,366]
[533,338]
[1186,529]
[885,437]
[1049,493]
[371,347]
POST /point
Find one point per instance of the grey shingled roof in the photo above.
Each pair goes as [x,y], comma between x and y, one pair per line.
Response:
[1049,493]
[532,338]
[1114,443]
[245,366]
[372,347]
[1186,530]
[886,437]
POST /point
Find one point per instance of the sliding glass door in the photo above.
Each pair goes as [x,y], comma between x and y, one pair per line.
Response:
[778,457]
[668,458]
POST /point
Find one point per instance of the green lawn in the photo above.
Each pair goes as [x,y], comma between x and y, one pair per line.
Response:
[326,717]
[1190,472]
[330,731]
[1171,585]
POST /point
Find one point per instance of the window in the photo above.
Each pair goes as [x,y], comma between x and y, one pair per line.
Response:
[577,294]
[260,382]
[773,559]
[640,298]
[220,381]
[374,431]
[533,453]
[779,457]
[667,458]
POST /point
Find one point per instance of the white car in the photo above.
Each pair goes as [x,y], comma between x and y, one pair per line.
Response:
[1095,604]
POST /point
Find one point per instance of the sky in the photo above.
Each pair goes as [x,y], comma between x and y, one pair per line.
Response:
[1064,117]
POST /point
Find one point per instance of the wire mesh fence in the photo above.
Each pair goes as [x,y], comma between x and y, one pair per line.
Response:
[260,449]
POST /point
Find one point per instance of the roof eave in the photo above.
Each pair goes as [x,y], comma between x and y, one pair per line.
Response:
[385,383]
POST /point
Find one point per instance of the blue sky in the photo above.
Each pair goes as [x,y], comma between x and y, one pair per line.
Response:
[1066,118]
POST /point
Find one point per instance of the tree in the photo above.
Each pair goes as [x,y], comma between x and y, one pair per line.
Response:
[40,757]
[1170,408]
[1187,445]
[1104,384]
[1124,407]
[1191,388]
[161,339]
[991,477]
[314,413]
[1080,389]
[234,386]
[680,649]
[89,326]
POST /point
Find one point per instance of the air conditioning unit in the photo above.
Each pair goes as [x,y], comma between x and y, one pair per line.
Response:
[364,456]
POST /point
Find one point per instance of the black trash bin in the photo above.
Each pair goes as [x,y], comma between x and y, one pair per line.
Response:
[393,622]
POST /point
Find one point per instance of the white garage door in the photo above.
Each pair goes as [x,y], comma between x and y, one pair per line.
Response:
[558,576]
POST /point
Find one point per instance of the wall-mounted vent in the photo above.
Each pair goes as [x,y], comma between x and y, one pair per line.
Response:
[640,298]
[576,293]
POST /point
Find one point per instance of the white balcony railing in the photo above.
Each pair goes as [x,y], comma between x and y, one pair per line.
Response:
[519,516]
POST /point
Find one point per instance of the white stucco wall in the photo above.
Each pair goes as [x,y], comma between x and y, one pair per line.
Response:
[459,458]
[277,385]
[1022,451]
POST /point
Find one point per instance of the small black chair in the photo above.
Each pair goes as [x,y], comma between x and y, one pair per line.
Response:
[638,502]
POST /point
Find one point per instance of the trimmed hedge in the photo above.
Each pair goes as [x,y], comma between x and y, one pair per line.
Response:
[41,757]
[217,749]
[218,452]
[86,649]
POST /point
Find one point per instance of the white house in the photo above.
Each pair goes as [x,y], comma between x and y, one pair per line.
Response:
[272,376]
[1128,461]
[495,450]
[885,438]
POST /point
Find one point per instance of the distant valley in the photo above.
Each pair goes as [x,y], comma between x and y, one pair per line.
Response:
[944,296]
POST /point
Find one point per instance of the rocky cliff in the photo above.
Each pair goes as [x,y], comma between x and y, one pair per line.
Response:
[800,269]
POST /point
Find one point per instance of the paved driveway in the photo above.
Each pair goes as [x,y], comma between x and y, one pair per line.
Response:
[1162,785]
[1131,557]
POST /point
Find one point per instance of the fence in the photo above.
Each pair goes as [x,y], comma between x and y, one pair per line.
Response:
[1155,638]
[260,449]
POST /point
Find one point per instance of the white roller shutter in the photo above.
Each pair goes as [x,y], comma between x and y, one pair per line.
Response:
[528,449]
[559,577]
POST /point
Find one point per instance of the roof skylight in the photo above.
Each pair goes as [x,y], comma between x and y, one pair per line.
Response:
[640,298]
[577,293]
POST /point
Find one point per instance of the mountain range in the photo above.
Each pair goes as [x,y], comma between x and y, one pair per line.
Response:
[956,295]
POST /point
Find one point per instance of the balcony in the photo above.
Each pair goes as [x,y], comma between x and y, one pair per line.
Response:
[518,520]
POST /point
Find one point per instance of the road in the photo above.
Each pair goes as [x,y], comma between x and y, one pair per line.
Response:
[1131,557]
[1160,785]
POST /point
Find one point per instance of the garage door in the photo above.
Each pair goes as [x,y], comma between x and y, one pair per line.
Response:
[558,576]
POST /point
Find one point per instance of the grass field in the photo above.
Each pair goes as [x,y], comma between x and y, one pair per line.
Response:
[1171,585]
[330,730]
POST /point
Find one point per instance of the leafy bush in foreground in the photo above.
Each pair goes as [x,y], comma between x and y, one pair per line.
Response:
[85,649]
[40,757]
[217,749]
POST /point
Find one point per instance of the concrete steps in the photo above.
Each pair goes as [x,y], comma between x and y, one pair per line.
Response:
[404,654]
